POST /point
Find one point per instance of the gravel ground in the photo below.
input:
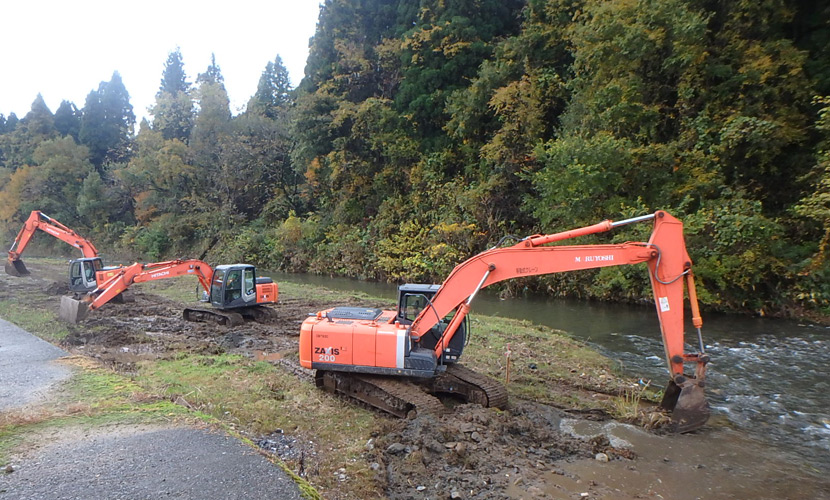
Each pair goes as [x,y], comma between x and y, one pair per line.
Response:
[27,367]
[141,463]
[121,461]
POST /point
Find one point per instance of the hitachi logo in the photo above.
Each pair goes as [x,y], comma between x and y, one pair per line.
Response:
[159,275]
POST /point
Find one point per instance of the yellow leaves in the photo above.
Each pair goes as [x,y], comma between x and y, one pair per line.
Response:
[12,194]
[291,230]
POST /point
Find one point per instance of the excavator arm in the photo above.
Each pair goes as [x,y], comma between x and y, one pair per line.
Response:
[669,268]
[139,273]
[39,220]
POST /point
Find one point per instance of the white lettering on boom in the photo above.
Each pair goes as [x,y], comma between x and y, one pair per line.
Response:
[599,258]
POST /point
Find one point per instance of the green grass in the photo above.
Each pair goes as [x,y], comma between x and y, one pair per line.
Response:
[544,363]
[93,396]
[260,398]
[41,322]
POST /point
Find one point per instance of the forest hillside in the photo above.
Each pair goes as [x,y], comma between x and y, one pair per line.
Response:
[424,131]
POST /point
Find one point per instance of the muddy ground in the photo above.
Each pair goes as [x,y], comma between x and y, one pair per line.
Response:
[470,452]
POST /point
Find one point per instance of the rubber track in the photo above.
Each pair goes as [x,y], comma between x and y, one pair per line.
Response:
[495,390]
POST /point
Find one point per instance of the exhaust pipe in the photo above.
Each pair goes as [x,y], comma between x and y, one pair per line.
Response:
[16,268]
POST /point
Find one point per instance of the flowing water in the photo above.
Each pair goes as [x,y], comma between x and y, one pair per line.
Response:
[768,379]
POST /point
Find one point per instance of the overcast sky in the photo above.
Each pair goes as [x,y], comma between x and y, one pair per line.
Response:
[63,49]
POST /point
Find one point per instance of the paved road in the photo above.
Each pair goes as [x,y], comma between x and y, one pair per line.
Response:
[145,463]
[120,461]
[27,366]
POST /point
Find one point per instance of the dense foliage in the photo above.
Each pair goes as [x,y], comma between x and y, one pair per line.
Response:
[426,130]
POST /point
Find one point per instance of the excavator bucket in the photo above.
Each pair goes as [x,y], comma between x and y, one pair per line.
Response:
[688,404]
[72,311]
[16,268]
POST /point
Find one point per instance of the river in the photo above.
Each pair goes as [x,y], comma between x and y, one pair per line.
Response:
[767,381]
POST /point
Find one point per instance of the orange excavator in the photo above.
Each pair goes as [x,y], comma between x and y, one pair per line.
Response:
[84,274]
[397,360]
[234,291]
[39,220]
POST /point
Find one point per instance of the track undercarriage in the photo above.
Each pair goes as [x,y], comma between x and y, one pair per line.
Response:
[404,396]
[235,317]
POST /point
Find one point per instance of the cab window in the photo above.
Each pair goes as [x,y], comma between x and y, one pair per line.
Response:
[89,271]
[413,304]
[75,273]
[249,281]
[233,286]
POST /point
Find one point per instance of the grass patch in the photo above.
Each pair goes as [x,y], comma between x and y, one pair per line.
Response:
[259,398]
[546,365]
[93,396]
[41,322]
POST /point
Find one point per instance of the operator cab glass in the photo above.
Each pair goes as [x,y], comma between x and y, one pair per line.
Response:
[82,274]
[415,298]
[413,304]
[233,286]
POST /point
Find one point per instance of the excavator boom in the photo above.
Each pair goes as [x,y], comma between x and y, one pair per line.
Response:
[38,220]
[669,270]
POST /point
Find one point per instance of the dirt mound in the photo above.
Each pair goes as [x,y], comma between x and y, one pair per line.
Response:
[475,452]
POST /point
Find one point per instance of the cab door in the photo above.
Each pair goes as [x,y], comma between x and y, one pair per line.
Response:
[216,288]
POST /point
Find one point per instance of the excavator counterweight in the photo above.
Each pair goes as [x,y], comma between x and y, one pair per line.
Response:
[425,337]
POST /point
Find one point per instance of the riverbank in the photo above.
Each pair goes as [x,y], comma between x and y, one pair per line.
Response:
[559,389]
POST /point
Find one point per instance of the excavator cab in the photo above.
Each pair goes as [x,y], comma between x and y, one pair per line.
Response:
[233,286]
[412,300]
[82,274]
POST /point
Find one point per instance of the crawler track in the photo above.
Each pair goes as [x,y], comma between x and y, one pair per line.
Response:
[226,318]
[400,396]
[477,388]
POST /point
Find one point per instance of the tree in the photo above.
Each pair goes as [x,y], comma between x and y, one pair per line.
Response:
[39,121]
[210,128]
[54,181]
[173,113]
[68,119]
[273,92]
[18,144]
[107,123]
[173,78]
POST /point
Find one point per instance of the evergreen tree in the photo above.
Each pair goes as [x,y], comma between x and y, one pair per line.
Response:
[213,74]
[173,112]
[68,119]
[11,122]
[92,132]
[107,123]
[39,121]
[173,78]
[273,91]
[211,122]
[22,137]
[120,119]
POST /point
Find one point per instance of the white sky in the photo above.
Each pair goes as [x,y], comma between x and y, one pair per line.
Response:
[63,49]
